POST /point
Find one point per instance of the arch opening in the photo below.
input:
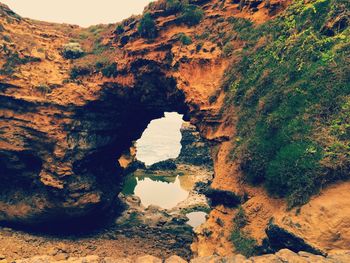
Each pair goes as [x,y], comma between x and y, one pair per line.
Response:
[167,171]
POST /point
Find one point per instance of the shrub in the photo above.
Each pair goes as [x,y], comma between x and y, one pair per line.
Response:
[199,47]
[244,244]
[228,49]
[119,29]
[44,89]
[191,15]
[173,6]
[185,40]
[110,70]
[169,164]
[13,60]
[7,38]
[72,51]
[290,93]
[240,218]
[203,36]
[147,27]
[221,197]
[78,71]
[293,172]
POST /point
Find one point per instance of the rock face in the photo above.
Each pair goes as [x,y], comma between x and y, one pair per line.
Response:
[280,238]
[195,150]
[58,152]
[303,230]
[61,134]
[60,138]
[61,159]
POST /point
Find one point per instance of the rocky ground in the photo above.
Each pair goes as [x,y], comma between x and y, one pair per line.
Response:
[122,242]
[283,256]
[137,231]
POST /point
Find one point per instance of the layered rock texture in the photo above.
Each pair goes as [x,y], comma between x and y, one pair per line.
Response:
[67,117]
[194,149]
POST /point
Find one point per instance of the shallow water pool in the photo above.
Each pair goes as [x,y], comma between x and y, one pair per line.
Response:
[196,218]
[165,192]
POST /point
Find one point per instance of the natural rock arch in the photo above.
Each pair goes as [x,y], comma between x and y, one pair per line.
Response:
[60,149]
[70,170]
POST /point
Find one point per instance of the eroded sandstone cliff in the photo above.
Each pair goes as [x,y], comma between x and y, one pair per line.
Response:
[62,133]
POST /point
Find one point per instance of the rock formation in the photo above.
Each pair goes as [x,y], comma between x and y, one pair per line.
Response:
[64,123]
[194,150]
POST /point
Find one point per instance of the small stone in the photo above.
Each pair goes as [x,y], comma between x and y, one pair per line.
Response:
[175,259]
[91,259]
[289,256]
[2,257]
[88,259]
[148,259]
[61,256]
[238,259]
[37,259]
[209,259]
[311,257]
[52,251]
[266,259]
[117,260]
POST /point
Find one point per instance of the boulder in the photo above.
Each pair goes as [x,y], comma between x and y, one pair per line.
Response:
[287,256]
[148,259]
[164,165]
[175,259]
[270,258]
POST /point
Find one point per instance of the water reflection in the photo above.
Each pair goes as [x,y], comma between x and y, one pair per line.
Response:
[196,218]
[165,192]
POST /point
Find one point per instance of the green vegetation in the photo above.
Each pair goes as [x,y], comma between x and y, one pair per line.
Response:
[98,47]
[173,6]
[292,89]
[228,49]
[44,89]
[132,220]
[72,51]
[187,14]
[14,59]
[185,40]
[119,29]
[198,208]
[243,243]
[169,164]
[240,218]
[147,27]
[78,71]
[191,15]
[108,69]
[7,38]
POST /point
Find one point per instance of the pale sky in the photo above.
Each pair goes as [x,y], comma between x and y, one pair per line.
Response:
[81,12]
